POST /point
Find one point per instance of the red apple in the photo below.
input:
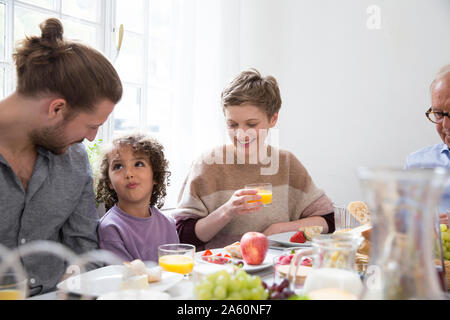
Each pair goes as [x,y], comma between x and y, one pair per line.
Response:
[254,246]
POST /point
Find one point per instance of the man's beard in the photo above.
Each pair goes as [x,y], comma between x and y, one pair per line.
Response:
[51,138]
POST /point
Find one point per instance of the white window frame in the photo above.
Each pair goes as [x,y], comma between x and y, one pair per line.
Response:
[107,43]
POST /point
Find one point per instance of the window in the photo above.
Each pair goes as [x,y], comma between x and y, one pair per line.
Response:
[173,63]
[82,19]
[143,63]
[144,66]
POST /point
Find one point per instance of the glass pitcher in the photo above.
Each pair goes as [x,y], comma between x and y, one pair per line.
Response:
[402,205]
[334,273]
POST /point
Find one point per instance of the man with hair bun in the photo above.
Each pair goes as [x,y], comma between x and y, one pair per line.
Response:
[437,155]
[65,92]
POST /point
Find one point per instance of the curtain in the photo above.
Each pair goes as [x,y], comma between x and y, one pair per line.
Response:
[206,37]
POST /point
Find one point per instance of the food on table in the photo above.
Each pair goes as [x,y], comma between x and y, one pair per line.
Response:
[11,295]
[361,261]
[445,237]
[154,274]
[300,276]
[285,259]
[364,248]
[365,231]
[331,294]
[281,291]
[237,286]
[138,268]
[208,256]
[135,283]
[360,211]
[254,247]
[177,263]
[311,231]
[234,250]
[299,237]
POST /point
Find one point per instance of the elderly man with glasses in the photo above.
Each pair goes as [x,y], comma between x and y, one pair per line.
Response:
[437,155]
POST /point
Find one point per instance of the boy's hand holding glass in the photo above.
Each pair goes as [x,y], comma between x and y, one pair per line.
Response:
[244,202]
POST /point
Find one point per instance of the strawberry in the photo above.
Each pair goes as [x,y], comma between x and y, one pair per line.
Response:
[299,237]
[207,253]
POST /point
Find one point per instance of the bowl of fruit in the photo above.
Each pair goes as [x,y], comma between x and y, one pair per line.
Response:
[282,268]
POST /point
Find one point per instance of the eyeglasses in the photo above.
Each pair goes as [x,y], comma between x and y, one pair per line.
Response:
[436,116]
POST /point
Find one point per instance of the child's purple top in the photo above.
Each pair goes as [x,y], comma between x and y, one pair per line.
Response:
[133,238]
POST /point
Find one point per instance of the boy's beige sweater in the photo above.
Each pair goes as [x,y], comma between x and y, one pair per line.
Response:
[208,186]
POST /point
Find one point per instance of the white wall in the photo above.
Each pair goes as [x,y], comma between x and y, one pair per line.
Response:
[351,96]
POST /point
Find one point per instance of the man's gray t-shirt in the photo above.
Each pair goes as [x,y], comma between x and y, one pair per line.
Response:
[58,206]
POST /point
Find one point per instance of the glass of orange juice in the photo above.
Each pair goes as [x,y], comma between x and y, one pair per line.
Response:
[11,287]
[264,190]
[177,258]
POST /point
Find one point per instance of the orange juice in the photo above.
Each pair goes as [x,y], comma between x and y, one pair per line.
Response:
[266,197]
[11,295]
[177,263]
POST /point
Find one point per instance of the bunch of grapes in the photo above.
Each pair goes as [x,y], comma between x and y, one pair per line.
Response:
[445,236]
[224,286]
[279,291]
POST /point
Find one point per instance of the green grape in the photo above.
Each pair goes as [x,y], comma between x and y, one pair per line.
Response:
[256,293]
[246,294]
[212,277]
[254,282]
[242,273]
[443,228]
[223,280]
[235,284]
[446,236]
[235,296]
[220,292]
[204,294]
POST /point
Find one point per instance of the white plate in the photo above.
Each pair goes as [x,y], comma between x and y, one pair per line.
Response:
[108,279]
[268,261]
[135,295]
[283,238]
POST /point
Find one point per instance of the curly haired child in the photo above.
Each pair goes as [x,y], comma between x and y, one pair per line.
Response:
[132,185]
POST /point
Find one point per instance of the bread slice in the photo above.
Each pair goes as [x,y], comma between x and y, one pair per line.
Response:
[312,231]
[300,277]
[234,250]
[154,274]
[137,268]
[360,211]
[134,268]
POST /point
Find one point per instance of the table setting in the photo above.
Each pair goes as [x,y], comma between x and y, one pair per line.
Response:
[379,245]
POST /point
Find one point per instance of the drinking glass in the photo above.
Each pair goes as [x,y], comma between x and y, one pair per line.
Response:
[343,219]
[177,258]
[264,190]
[13,279]
[333,259]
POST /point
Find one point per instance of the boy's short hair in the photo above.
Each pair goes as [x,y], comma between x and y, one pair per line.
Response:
[250,88]
[139,144]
